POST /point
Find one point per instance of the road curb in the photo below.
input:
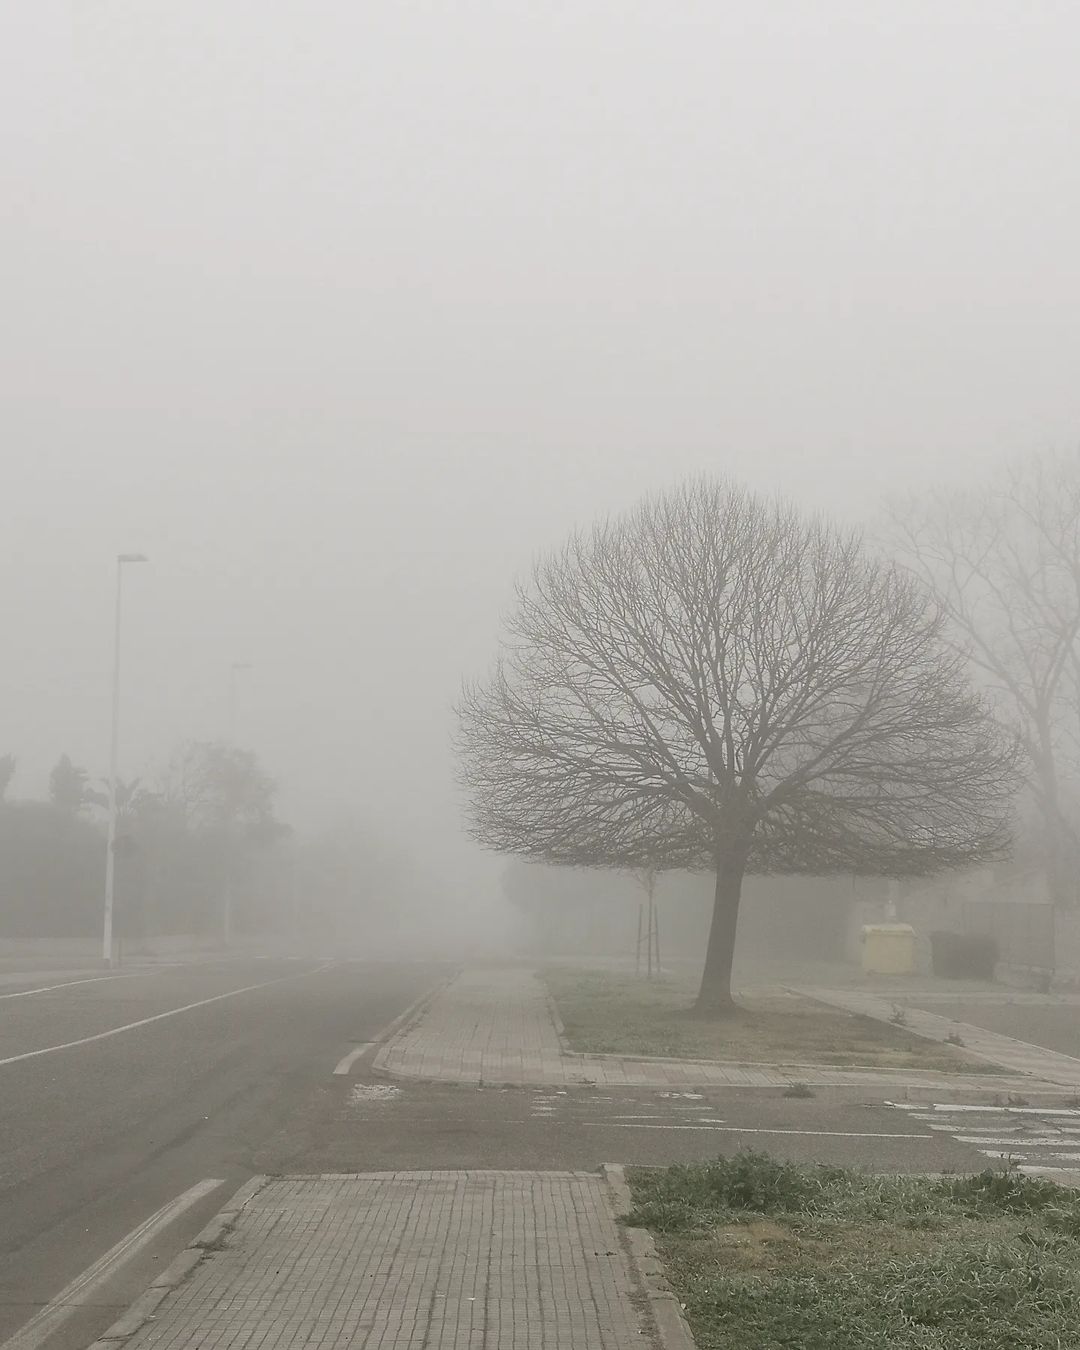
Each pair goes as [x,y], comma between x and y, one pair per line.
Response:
[939,1035]
[208,1241]
[404,1021]
[553,1013]
[672,1328]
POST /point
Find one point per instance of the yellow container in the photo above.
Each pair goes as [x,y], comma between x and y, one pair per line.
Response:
[888,949]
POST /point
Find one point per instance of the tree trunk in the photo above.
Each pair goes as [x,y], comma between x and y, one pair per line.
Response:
[1060,881]
[715,995]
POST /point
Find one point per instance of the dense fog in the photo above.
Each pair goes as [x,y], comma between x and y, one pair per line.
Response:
[343,314]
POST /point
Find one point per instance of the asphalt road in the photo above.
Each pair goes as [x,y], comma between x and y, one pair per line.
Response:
[95,1137]
[411,1126]
[119,1096]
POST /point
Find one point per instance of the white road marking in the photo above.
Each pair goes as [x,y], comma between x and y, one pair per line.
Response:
[1017,1140]
[655,1115]
[995,1123]
[158,1017]
[373,1092]
[1011,1134]
[83,1289]
[741,1129]
[70,984]
[344,1065]
[990,1110]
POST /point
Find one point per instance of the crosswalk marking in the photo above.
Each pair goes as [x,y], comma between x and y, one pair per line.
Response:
[958,1108]
[1038,1141]
[1017,1140]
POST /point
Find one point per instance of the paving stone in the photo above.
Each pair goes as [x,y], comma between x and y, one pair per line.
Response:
[404,1260]
[1019,1057]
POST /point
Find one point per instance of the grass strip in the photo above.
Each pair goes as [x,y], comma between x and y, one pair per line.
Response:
[772,1255]
[609,1013]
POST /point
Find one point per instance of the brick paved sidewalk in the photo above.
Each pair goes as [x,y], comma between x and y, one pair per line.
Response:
[404,1260]
[1020,1057]
[496,1026]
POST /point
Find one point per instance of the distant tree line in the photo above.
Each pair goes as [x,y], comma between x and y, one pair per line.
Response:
[204,832]
[1000,561]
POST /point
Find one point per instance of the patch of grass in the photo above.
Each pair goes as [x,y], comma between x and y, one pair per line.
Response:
[608,1013]
[772,1255]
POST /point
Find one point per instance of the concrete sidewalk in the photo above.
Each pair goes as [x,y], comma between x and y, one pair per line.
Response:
[497,1027]
[1019,1057]
[405,1261]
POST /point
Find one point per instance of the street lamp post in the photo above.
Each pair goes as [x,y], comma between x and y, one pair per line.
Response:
[234,670]
[110,851]
[227,905]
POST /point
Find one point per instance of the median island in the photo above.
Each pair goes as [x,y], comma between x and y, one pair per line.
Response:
[612,1013]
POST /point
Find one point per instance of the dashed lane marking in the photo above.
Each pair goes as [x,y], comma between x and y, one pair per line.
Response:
[70,984]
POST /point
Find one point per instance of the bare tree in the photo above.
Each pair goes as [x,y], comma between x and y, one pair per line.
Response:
[219,787]
[223,795]
[1003,564]
[69,788]
[712,682]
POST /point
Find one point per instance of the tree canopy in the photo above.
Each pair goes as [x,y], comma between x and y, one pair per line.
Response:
[712,681]
[1002,562]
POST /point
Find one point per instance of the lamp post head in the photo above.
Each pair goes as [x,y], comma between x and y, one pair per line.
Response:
[131,557]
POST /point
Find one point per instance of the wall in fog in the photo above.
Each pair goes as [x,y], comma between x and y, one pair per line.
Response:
[578,911]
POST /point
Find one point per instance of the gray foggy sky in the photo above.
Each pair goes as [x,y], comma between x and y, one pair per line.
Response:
[341,311]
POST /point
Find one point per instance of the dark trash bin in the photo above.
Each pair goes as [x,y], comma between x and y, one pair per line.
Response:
[963,956]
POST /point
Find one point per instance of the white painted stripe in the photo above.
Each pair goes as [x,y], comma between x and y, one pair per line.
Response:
[1018,1140]
[951,1126]
[742,1129]
[1003,1155]
[660,1115]
[344,1065]
[83,1289]
[1066,1157]
[1009,1110]
[158,1017]
[70,984]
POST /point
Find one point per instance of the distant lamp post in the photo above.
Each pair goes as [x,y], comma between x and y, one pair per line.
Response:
[227,905]
[234,670]
[110,852]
